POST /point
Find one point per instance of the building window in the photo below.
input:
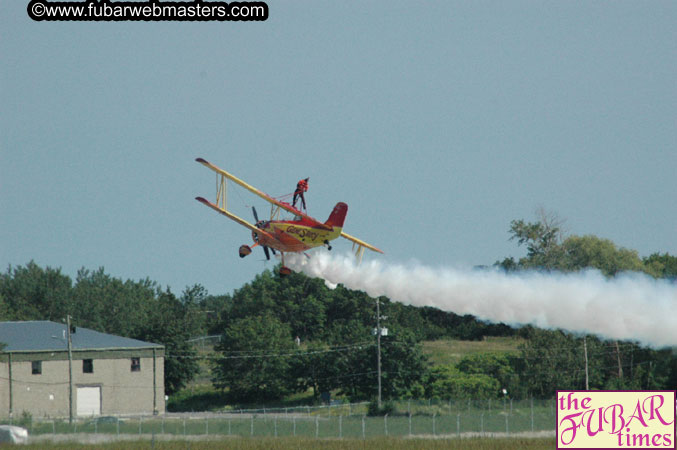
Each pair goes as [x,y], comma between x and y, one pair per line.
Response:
[87,366]
[36,367]
[136,364]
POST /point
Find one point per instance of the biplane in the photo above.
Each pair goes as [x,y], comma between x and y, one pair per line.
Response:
[286,236]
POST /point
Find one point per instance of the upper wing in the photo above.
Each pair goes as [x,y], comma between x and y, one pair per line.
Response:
[286,206]
[232,216]
[263,195]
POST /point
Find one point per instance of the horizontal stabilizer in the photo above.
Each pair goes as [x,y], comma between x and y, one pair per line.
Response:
[360,242]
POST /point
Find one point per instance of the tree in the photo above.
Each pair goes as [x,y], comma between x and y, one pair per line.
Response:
[447,381]
[663,266]
[111,305]
[403,366]
[547,249]
[317,366]
[255,359]
[166,325]
[34,293]
[297,300]
[407,317]
[499,366]
[542,239]
[196,319]
[580,252]
[552,360]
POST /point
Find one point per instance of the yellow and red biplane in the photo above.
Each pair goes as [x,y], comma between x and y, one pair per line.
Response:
[292,236]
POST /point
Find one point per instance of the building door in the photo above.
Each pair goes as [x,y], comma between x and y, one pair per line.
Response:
[89,401]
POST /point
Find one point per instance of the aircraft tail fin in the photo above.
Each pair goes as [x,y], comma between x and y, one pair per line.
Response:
[338,215]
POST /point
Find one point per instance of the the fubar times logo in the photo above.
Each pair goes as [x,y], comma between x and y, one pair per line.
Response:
[615,419]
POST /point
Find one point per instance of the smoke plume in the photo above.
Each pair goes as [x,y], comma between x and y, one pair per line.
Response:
[631,306]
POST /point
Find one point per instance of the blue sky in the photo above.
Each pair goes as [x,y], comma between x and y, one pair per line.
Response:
[438,123]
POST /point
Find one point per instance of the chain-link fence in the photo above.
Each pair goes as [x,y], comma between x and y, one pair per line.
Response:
[405,418]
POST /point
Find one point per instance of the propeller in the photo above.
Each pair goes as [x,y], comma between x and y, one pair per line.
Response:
[265,249]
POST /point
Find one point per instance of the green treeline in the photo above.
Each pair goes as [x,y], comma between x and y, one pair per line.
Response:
[259,357]
[135,309]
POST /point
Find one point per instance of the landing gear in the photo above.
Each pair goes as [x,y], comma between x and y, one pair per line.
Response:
[245,250]
[284,270]
[327,244]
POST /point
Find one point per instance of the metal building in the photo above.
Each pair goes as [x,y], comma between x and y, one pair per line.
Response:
[108,375]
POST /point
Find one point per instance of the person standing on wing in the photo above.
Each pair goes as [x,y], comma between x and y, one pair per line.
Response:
[301,187]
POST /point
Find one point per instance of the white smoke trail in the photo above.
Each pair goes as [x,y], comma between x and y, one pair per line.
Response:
[631,306]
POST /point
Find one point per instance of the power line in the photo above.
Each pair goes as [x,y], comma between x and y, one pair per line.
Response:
[266,351]
[268,355]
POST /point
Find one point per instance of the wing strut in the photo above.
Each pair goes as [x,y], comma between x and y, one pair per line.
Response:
[358,253]
[221,192]
[360,243]
[282,205]
[221,206]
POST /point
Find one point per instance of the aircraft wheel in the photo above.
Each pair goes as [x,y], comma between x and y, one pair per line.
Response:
[245,250]
[285,271]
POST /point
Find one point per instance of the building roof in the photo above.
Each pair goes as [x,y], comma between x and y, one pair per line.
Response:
[43,335]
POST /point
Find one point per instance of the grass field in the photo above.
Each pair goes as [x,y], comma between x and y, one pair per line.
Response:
[331,444]
[407,420]
[449,351]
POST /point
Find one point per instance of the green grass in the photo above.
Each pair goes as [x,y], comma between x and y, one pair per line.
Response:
[207,398]
[198,398]
[331,444]
[450,351]
[427,418]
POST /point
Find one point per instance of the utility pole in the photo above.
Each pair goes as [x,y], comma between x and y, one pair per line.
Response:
[620,367]
[155,411]
[378,345]
[11,390]
[70,370]
[585,351]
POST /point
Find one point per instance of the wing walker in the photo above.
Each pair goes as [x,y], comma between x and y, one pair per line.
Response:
[286,236]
